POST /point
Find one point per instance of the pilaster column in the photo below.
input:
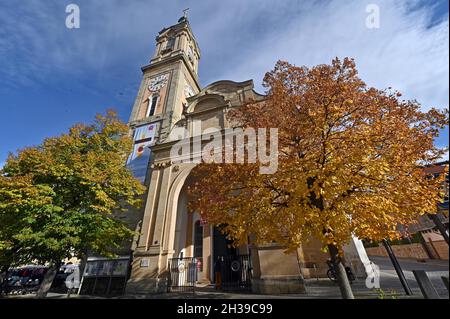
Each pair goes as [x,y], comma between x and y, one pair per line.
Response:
[149,210]
[157,237]
[206,254]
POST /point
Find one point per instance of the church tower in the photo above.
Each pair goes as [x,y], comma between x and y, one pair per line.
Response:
[168,80]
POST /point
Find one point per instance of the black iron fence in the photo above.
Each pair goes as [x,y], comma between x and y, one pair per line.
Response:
[182,274]
[231,273]
[235,273]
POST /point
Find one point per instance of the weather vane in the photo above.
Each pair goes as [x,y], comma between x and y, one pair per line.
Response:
[185,12]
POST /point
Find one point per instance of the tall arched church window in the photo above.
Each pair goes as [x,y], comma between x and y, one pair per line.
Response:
[198,240]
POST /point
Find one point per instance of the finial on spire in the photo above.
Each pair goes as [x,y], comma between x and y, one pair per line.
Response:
[185,11]
[184,17]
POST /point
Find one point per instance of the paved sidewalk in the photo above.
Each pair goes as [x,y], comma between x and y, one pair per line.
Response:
[321,288]
[435,269]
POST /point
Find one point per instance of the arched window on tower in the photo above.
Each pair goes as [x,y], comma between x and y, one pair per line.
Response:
[170,44]
[152,102]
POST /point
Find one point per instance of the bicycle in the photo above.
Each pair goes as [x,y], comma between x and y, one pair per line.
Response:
[331,273]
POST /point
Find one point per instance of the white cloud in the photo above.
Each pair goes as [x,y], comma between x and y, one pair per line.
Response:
[239,40]
[402,53]
[445,157]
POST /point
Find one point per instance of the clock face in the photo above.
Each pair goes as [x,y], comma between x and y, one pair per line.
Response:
[188,91]
[157,83]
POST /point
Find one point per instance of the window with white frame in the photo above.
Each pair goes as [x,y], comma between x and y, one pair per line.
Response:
[152,103]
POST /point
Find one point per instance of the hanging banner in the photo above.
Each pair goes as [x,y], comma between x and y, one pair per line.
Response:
[140,150]
[139,159]
[145,132]
[144,138]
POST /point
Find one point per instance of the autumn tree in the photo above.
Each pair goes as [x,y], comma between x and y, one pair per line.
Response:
[349,163]
[57,199]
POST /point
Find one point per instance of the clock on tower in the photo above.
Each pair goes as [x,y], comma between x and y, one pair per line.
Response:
[157,83]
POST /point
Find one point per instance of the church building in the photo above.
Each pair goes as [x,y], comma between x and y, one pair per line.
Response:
[176,248]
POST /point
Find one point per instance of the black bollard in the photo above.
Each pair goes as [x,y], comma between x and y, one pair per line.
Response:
[397,268]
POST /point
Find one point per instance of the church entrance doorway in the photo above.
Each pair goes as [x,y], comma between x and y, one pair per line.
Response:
[222,247]
[232,270]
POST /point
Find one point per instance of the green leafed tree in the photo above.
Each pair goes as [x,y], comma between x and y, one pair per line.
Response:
[59,199]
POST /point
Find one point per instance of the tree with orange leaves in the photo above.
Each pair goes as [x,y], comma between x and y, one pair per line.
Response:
[349,158]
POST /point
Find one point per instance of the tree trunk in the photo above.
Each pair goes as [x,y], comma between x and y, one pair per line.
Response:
[82,265]
[341,274]
[3,272]
[3,277]
[46,283]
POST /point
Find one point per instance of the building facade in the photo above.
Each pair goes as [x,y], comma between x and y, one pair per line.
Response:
[171,97]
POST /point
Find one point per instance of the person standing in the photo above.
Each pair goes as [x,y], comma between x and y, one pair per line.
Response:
[218,272]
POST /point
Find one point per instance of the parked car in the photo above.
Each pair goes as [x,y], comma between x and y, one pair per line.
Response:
[23,280]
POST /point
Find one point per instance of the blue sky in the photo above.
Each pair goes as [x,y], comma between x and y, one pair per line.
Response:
[52,77]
